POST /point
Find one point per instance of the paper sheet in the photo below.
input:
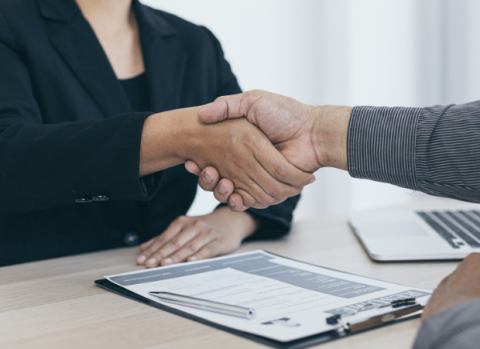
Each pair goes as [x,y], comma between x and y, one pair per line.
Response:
[292,299]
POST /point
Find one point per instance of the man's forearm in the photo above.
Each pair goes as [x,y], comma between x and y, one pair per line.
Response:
[375,143]
[381,144]
[330,133]
[433,150]
[454,328]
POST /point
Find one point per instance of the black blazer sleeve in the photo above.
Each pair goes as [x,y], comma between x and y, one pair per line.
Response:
[51,165]
[275,220]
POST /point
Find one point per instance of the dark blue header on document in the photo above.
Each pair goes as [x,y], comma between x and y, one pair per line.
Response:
[260,265]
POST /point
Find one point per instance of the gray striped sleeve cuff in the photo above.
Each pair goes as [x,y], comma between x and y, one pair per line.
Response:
[381,144]
[448,148]
[455,328]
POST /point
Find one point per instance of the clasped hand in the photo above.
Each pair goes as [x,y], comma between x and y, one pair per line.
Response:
[289,125]
[243,154]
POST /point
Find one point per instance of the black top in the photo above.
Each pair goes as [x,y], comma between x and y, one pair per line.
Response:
[136,90]
[70,140]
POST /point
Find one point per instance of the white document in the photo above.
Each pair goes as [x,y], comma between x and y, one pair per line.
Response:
[292,299]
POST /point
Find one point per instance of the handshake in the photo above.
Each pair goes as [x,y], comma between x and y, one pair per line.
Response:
[277,144]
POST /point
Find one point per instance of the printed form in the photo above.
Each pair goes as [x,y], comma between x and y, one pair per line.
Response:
[292,299]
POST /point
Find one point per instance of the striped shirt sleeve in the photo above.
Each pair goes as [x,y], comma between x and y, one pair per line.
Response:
[435,150]
[455,328]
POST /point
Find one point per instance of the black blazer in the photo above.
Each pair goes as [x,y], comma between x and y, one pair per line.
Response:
[69,139]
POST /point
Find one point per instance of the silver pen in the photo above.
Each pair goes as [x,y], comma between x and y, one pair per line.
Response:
[204,304]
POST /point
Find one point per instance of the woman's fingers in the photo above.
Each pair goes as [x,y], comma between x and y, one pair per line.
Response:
[192,238]
[182,239]
[162,256]
[212,249]
[191,248]
[147,256]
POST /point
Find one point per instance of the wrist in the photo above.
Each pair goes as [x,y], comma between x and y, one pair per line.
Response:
[187,133]
[242,222]
[164,141]
[329,135]
[250,224]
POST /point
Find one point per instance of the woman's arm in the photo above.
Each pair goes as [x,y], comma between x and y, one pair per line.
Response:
[51,165]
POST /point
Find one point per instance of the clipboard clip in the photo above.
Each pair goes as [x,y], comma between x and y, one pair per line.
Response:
[411,305]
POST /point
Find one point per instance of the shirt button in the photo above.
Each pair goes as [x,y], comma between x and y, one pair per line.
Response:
[83,201]
[100,198]
[131,238]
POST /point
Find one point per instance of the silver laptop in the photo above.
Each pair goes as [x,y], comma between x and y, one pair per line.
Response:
[401,235]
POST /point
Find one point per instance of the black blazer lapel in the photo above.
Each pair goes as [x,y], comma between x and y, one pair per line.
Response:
[78,45]
[164,62]
[76,42]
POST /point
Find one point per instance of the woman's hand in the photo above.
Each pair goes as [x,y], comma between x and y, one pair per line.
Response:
[195,238]
[236,148]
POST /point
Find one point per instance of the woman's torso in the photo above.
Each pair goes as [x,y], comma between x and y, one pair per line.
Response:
[72,81]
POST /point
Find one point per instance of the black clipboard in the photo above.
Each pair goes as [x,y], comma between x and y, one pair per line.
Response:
[305,342]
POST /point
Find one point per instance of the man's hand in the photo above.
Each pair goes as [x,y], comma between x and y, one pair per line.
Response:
[242,153]
[236,148]
[461,286]
[308,137]
[195,238]
[288,123]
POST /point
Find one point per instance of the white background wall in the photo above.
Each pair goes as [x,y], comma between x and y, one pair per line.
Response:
[351,52]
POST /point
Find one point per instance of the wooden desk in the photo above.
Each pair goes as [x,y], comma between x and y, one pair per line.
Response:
[54,304]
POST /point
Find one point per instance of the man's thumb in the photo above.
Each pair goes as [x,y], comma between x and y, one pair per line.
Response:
[214,112]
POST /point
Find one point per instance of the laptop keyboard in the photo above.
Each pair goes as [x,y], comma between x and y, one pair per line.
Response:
[465,225]
[475,219]
[444,233]
[452,225]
